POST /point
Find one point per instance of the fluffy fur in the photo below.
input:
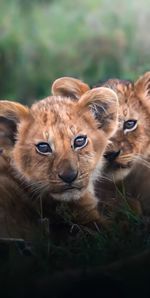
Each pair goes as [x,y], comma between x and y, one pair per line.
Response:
[130,168]
[57,120]
[17,217]
[132,145]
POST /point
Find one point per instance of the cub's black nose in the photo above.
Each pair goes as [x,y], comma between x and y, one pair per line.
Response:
[68,176]
[111,155]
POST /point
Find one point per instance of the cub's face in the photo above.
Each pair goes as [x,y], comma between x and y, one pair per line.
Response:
[59,149]
[60,141]
[131,142]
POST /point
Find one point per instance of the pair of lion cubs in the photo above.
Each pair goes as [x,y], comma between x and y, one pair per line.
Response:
[57,154]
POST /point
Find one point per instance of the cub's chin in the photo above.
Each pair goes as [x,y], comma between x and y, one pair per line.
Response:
[68,196]
[119,174]
[116,173]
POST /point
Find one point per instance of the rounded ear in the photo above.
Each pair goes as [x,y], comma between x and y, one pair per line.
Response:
[118,86]
[7,131]
[69,87]
[102,103]
[110,83]
[142,87]
[13,110]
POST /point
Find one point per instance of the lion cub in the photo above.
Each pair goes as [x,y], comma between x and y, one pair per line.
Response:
[127,156]
[60,142]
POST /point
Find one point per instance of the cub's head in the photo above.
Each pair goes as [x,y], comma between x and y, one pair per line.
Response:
[60,140]
[131,142]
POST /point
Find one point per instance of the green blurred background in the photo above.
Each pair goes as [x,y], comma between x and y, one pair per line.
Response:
[89,39]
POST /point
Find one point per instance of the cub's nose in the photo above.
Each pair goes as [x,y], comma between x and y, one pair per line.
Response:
[68,176]
[111,155]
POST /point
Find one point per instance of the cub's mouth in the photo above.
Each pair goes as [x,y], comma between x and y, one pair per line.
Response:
[115,161]
[66,188]
[72,188]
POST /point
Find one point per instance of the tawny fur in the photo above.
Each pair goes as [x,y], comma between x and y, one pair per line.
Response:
[17,217]
[134,103]
[131,168]
[58,120]
[7,133]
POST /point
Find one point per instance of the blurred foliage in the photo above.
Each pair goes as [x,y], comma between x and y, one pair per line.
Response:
[89,39]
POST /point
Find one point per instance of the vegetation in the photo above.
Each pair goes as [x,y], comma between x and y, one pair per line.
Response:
[80,261]
[93,40]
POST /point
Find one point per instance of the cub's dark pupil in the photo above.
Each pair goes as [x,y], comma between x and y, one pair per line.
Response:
[129,124]
[44,148]
[79,142]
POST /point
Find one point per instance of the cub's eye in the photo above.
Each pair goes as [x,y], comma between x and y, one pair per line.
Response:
[43,148]
[130,125]
[80,142]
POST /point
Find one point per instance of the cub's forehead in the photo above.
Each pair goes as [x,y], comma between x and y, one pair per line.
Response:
[54,110]
[56,117]
[128,110]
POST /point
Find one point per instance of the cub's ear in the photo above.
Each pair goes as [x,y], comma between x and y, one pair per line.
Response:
[69,87]
[111,83]
[142,87]
[102,103]
[13,111]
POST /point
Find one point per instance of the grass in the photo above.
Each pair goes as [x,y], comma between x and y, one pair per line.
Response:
[78,254]
[81,247]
